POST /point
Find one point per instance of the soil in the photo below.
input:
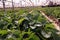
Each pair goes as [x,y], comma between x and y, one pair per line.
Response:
[53,20]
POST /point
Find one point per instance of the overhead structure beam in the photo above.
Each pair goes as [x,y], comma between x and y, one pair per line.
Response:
[31,2]
[26,1]
[12,5]
[3,1]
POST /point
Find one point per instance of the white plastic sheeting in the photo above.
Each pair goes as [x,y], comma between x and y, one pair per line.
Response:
[23,3]
[49,2]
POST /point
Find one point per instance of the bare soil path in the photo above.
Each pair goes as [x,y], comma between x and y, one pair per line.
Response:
[53,22]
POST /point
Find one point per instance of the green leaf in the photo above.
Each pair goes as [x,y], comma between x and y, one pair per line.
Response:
[3,32]
[21,20]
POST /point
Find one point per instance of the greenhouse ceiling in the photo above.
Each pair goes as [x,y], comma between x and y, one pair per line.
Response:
[23,3]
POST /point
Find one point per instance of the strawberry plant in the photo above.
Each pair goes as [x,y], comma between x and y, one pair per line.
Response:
[26,26]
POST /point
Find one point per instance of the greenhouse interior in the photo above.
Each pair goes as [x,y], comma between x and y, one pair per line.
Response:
[29,19]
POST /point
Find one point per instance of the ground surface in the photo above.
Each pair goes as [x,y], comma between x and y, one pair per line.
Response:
[51,20]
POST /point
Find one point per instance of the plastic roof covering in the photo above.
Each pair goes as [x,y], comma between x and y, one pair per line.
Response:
[23,3]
